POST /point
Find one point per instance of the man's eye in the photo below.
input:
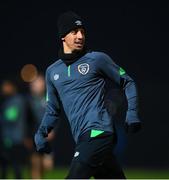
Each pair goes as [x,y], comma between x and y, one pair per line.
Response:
[73,32]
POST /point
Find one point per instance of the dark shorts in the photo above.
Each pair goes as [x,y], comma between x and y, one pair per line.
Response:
[93,150]
[94,157]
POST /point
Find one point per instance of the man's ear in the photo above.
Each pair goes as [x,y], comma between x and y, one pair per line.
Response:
[63,39]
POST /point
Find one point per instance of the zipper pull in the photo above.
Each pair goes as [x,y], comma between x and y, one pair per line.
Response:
[68,71]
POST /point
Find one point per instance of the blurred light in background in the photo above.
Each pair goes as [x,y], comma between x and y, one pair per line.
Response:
[29,72]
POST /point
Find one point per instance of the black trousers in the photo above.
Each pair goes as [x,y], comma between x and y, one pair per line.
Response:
[94,158]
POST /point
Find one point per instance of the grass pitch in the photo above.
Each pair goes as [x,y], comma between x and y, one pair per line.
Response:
[61,172]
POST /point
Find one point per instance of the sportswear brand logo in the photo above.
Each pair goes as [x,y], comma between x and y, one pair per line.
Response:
[78,23]
[56,77]
[83,68]
[76,154]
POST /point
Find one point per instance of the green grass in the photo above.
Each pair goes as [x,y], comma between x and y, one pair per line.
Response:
[60,173]
[147,174]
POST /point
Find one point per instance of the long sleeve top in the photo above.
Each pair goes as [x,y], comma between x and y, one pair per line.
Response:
[80,87]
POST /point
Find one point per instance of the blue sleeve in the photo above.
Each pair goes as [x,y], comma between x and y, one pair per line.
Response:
[111,70]
[52,111]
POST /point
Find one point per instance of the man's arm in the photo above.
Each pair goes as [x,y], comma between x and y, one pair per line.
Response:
[50,117]
[114,72]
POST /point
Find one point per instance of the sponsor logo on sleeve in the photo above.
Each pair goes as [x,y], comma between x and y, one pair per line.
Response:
[56,77]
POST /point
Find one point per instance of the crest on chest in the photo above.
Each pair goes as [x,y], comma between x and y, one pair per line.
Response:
[83,68]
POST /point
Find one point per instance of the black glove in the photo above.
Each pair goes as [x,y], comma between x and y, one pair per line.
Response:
[42,145]
[133,127]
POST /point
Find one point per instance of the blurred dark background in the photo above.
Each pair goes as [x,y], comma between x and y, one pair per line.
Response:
[134,34]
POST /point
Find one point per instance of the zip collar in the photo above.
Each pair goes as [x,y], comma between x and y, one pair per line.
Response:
[69,59]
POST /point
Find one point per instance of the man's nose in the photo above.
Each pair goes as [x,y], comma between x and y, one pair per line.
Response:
[79,35]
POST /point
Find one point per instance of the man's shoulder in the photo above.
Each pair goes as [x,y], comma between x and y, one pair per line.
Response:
[54,65]
[96,54]
[98,57]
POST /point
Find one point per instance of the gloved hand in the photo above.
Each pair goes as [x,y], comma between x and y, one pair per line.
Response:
[42,145]
[132,123]
[133,127]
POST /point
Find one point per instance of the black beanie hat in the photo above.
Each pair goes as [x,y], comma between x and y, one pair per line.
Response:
[67,22]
